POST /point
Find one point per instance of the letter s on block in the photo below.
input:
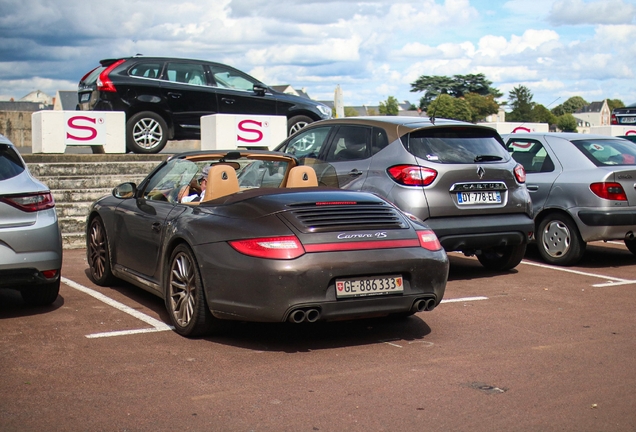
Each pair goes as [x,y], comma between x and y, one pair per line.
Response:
[244,126]
[71,124]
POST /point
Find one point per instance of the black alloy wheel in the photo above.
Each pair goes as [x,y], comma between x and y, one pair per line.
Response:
[97,253]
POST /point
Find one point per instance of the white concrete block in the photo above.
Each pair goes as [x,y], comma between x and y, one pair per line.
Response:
[229,131]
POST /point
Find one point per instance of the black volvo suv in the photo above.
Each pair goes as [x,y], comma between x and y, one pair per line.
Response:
[164,98]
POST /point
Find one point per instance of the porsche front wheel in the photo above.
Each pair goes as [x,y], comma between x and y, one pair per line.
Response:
[98,254]
[185,297]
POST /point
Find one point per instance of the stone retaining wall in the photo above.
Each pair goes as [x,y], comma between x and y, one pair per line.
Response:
[16,125]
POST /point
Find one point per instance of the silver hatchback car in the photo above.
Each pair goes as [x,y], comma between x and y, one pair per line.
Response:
[30,238]
[456,176]
[583,188]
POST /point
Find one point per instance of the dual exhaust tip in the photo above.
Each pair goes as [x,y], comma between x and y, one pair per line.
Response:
[421,305]
[304,315]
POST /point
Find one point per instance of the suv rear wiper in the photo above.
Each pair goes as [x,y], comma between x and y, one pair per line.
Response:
[487,158]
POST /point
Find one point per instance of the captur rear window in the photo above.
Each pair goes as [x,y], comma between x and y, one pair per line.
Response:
[456,145]
[10,163]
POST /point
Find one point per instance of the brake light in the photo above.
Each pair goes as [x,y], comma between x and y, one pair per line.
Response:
[520,173]
[103,82]
[31,202]
[412,175]
[428,240]
[609,191]
[614,120]
[50,274]
[88,73]
[287,247]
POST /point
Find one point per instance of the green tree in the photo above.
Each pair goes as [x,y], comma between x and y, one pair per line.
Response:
[520,98]
[481,106]
[350,112]
[615,103]
[567,123]
[389,107]
[569,106]
[456,86]
[540,114]
[446,106]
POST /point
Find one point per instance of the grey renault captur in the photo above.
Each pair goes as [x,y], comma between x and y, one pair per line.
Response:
[458,177]
[30,238]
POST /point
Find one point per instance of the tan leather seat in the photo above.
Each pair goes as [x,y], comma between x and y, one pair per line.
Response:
[222,181]
[302,176]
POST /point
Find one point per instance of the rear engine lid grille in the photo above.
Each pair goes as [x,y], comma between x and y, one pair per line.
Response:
[326,217]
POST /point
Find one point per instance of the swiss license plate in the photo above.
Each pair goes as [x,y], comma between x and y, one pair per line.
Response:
[471,198]
[85,97]
[628,119]
[369,286]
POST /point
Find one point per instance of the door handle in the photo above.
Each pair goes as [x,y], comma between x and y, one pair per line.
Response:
[174,95]
[156,227]
[355,173]
[227,101]
[533,187]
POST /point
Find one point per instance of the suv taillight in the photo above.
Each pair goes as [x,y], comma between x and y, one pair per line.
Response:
[614,120]
[520,173]
[103,81]
[87,74]
[30,202]
[609,190]
[412,175]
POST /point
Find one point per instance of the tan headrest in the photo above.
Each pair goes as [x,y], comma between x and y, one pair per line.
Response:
[302,176]
[222,181]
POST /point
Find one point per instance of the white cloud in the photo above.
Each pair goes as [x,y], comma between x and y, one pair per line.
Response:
[576,12]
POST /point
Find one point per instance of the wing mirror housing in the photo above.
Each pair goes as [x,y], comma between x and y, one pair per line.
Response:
[125,190]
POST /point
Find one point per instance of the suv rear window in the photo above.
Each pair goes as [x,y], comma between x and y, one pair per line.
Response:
[10,163]
[603,152]
[456,145]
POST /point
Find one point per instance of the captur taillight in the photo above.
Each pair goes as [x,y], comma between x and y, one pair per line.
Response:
[412,175]
[104,82]
[609,190]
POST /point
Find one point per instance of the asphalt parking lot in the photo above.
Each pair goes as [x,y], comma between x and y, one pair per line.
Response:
[539,348]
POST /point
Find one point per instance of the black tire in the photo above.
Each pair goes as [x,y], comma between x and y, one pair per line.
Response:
[559,240]
[296,123]
[41,295]
[146,132]
[631,245]
[98,253]
[503,257]
[185,296]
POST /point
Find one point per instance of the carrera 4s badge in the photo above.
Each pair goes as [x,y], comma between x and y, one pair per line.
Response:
[345,236]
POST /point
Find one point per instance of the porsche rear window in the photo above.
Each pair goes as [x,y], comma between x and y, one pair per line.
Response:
[456,145]
[10,163]
[607,152]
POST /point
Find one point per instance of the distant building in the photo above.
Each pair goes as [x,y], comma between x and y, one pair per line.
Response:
[65,100]
[287,89]
[595,114]
[38,96]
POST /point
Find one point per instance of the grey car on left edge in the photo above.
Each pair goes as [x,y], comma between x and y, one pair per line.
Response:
[30,238]
[583,189]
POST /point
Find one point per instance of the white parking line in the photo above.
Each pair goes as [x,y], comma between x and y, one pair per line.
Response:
[157,325]
[612,280]
[463,299]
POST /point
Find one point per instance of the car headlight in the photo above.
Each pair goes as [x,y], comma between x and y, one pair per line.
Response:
[324,110]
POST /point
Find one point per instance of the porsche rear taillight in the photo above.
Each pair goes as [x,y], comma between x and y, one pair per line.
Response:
[520,173]
[286,247]
[428,240]
[412,175]
[30,202]
[103,81]
[609,191]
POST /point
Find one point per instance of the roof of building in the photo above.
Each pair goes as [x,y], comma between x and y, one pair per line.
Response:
[594,107]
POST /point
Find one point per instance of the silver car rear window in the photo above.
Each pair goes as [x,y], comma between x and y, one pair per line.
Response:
[10,163]
[608,152]
[457,145]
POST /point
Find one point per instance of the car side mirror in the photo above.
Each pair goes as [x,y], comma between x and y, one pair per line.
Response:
[260,89]
[125,190]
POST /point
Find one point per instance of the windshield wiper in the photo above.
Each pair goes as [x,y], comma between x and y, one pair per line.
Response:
[487,158]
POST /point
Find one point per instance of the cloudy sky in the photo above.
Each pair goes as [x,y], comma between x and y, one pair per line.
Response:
[372,49]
